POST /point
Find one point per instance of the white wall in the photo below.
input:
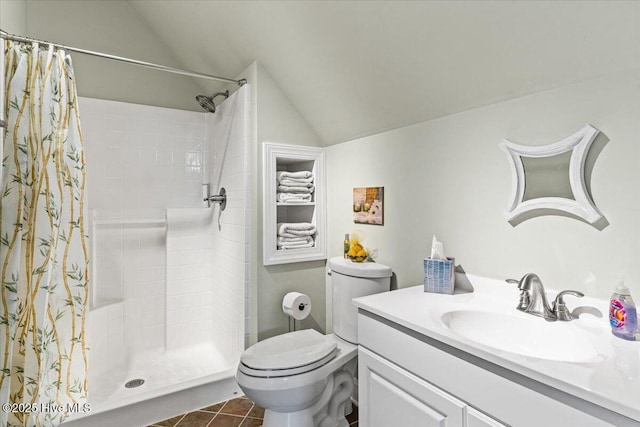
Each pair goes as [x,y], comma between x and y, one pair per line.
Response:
[278,121]
[13,16]
[111,27]
[448,177]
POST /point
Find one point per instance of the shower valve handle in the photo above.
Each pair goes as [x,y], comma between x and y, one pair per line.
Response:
[219,198]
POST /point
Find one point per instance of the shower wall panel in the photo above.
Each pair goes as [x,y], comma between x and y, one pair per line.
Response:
[170,276]
[229,131]
[141,160]
[190,294]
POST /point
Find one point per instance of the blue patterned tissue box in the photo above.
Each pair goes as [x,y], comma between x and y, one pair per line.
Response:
[439,275]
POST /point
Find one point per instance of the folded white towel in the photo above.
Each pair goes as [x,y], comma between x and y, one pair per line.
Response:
[293,236]
[287,189]
[293,197]
[296,229]
[296,225]
[297,175]
[297,233]
[285,176]
[295,245]
[302,239]
[295,183]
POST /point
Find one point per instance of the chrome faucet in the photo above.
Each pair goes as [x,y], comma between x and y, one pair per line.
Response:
[533,299]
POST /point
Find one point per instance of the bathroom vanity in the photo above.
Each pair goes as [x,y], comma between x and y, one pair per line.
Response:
[471,359]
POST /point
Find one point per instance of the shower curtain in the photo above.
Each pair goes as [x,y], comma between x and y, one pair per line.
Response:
[43,242]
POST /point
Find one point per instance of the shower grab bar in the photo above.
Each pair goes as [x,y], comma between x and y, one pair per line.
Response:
[149,222]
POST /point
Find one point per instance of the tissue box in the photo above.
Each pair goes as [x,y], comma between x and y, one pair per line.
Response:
[439,275]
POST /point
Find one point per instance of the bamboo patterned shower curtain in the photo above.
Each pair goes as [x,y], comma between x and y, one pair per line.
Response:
[43,243]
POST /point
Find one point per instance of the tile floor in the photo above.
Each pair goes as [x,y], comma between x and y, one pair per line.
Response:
[238,412]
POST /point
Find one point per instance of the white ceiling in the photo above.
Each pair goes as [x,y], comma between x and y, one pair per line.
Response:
[356,68]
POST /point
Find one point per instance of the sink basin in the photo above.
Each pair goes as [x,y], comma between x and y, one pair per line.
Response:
[522,334]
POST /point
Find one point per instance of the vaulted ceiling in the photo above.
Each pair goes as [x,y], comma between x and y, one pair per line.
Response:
[355,68]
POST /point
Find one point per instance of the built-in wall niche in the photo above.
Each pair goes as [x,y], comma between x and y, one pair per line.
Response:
[551,179]
[297,197]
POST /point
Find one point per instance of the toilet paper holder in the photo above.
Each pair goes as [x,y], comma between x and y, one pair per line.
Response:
[296,306]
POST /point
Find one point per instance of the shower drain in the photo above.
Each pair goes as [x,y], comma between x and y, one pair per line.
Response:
[134,383]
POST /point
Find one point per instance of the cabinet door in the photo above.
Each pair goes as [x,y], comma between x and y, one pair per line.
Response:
[476,418]
[391,396]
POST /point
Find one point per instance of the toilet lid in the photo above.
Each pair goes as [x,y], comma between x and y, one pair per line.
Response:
[287,351]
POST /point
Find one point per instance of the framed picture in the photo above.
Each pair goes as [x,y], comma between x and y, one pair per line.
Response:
[368,205]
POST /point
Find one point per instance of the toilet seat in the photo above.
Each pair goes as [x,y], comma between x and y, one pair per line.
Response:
[279,373]
[288,354]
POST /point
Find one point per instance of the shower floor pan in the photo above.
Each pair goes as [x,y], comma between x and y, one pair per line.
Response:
[164,374]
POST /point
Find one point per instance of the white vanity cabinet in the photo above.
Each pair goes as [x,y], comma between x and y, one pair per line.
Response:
[390,396]
[293,158]
[410,379]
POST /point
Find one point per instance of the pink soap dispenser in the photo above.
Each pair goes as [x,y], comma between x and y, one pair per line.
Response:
[622,314]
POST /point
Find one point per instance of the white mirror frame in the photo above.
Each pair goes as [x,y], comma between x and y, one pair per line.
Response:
[582,207]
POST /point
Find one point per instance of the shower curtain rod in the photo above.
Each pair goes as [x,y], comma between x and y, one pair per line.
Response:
[22,39]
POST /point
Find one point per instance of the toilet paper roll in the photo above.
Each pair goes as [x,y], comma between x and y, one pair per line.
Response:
[296,305]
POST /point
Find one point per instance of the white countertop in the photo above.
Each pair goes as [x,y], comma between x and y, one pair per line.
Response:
[611,379]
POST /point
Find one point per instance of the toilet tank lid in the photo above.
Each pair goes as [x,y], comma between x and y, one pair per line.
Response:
[359,269]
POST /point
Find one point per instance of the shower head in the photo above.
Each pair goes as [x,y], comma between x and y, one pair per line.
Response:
[206,102]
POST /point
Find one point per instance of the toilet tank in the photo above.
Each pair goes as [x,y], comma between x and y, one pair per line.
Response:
[351,280]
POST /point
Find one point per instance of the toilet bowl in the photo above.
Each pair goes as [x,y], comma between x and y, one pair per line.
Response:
[295,376]
[304,378]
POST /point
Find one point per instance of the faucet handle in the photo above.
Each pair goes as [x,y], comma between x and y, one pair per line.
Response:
[560,309]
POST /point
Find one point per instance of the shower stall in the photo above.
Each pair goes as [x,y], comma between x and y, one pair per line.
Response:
[169,270]
[168,230]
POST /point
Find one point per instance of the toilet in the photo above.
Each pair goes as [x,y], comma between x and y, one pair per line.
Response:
[304,378]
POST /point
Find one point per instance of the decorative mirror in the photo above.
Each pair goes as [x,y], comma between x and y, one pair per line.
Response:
[559,170]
